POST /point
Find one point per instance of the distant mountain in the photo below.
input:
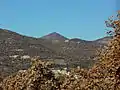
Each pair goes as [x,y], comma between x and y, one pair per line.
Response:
[103,40]
[71,52]
[14,47]
[54,36]
[75,39]
[79,40]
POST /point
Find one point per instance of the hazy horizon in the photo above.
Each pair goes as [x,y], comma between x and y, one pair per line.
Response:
[74,19]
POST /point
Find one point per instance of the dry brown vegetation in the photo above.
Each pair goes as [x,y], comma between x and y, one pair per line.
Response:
[104,75]
[38,77]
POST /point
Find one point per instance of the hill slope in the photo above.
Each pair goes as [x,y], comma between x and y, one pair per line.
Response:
[16,51]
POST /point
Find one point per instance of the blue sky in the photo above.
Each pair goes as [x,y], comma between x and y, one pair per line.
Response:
[118,4]
[82,19]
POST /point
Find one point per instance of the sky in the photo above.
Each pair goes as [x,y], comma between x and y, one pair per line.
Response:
[118,4]
[82,19]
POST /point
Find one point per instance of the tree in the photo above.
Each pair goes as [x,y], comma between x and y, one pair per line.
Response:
[114,23]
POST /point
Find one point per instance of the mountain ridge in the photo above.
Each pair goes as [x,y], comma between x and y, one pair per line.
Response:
[66,52]
[54,36]
[50,34]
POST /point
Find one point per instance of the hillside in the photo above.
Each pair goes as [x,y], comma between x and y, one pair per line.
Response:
[16,51]
[77,51]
